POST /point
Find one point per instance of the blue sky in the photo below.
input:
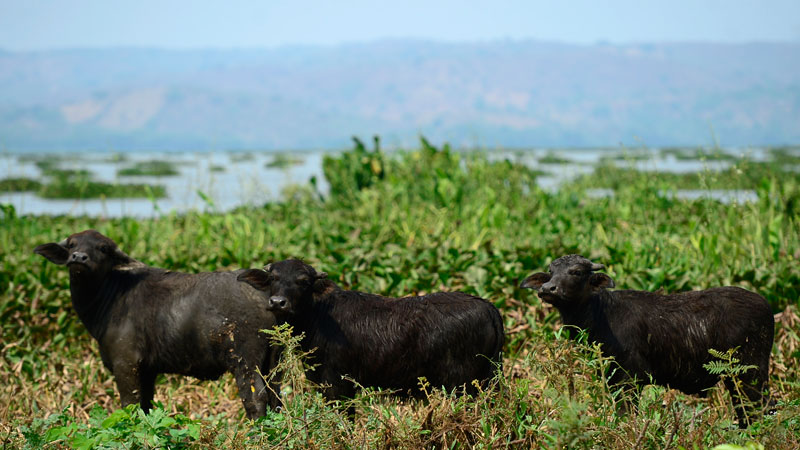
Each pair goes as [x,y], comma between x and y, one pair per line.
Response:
[48,24]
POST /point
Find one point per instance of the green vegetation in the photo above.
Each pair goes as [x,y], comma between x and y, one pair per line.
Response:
[50,166]
[19,185]
[242,156]
[149,168]
[744,174]
[284,160]
[216,168]
[698,154]
[115,158]
[60,183]
[49,170]
[553,158]
[628,156]
[785,155]
[357,169]
[80,187]
[84,188]
[405,223]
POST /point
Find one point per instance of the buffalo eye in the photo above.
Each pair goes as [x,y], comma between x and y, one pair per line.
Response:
[304,280]
[576,272]
[70,244]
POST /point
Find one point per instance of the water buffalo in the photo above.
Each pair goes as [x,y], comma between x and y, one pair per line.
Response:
[665,338]
[450,338]
[149,321]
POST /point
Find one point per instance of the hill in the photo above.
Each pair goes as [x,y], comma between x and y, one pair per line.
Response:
[502,93]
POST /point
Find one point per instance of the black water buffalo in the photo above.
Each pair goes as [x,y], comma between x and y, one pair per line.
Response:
[149,321]
[666,337]
[450,339]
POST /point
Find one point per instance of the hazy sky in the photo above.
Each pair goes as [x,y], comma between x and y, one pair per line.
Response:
[46,24]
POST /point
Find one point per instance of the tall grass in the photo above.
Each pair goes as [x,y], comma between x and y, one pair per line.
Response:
[407,223]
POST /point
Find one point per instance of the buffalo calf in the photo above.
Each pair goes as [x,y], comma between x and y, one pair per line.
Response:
[450,339]
[149,321]
[665,338]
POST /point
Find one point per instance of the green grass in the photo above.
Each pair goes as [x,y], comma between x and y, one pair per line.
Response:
[149,168]
[406,223]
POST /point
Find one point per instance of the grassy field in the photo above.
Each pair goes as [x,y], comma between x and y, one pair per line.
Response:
[410,223]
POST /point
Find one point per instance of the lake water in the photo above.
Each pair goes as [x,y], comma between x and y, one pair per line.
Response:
[245,178]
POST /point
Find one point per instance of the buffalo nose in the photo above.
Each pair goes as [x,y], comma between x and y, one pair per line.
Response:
[549,288]
[79,257]
[278,302]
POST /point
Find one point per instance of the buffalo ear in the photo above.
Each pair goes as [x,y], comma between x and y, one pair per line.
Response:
[322,284]
[601,280]
[56,253]
[122,259]
[535,281]
[256,278]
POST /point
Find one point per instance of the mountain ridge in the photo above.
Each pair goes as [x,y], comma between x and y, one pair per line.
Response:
[499,93]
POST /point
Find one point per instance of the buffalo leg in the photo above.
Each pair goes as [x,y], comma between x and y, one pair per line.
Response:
[252,391]
[344,391]
[147,386]
[628,387]
[268,365]
[746,395]
[128,384]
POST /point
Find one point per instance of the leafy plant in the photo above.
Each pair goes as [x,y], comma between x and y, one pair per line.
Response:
[354,170]
[124,428]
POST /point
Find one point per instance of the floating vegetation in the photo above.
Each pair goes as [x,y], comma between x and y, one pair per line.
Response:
[55,172]
[242,156]
[744,174]
[553,158]
[698,154]
[785,155]
[48,166]
[149,168]
[115,158]
[628,156]
[284,160]
[61,183]
[19,185]
[216,168]
[84,188]
[36,157]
